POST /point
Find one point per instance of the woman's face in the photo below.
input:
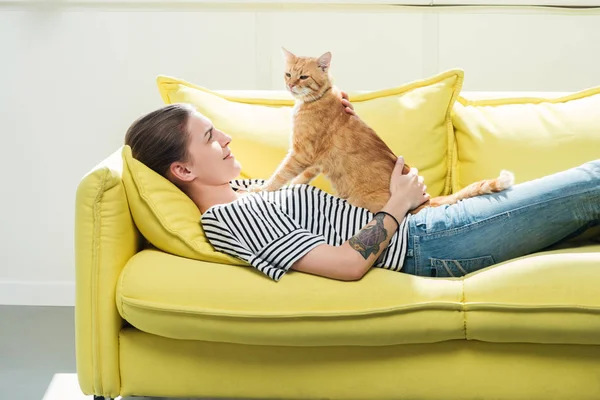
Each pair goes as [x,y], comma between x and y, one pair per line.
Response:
[211,160]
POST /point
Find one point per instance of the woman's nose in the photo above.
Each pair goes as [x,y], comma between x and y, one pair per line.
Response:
[225,139]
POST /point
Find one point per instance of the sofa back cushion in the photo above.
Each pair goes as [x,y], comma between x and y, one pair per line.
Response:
[531,137]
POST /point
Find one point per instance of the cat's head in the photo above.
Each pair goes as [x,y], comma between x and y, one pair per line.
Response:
[307,78]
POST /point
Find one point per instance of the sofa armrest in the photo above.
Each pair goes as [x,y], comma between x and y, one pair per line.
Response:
[105,239]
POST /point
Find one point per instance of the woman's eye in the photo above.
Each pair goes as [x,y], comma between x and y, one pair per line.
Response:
[303,77]
[288,74]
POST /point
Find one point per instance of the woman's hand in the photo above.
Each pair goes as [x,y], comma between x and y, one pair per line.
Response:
[407,192]
[348,107]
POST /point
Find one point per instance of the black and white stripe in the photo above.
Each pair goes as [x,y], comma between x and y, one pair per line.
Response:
[272,230]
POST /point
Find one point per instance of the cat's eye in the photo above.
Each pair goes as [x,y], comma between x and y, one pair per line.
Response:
[303,77]
[288,74]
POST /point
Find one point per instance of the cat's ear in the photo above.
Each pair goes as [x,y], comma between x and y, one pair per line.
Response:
[324,61]
[289,57]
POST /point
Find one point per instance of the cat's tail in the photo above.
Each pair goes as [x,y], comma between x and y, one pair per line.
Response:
[503,182]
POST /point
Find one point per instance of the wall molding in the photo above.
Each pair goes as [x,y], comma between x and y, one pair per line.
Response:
[37,293]
[551,3]
[285,3]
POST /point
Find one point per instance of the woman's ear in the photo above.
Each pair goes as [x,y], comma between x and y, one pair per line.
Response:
[181,172]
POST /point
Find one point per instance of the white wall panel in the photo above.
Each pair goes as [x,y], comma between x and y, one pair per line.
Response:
[509,50]
[72,82]
[370,50]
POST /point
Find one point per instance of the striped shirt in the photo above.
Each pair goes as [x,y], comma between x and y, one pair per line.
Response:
[272,230]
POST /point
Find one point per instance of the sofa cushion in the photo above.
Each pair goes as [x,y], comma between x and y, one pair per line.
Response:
[530,136]
[180,298]
[548,297]
[413,119]
[551,297]
[165,215]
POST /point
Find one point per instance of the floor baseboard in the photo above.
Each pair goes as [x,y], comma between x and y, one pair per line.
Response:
[36,293]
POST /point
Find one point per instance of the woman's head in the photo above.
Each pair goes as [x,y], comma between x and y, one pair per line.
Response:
[182,145]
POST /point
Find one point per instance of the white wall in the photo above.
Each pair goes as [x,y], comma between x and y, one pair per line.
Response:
[74,75]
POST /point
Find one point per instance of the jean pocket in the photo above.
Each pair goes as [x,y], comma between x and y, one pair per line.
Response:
[458,267]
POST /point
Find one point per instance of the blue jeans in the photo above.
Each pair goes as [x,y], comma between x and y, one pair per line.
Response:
[475,233]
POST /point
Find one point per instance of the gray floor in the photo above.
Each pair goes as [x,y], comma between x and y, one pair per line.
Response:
[35,343]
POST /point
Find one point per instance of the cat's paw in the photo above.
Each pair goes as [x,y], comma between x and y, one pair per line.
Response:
[506,179]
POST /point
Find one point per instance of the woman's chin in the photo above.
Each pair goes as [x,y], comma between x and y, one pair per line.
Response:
[237,169]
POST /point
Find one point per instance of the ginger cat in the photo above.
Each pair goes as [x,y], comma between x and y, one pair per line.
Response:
[326,139]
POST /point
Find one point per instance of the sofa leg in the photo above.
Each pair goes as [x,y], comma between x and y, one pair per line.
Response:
[101,398]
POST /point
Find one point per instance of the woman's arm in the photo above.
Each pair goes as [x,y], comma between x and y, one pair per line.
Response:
[351,260]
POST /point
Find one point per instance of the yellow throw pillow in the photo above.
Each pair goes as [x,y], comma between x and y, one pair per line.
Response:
[531,137]
[413,119]
[166,217]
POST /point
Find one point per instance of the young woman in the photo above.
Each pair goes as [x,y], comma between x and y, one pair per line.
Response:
[303,228]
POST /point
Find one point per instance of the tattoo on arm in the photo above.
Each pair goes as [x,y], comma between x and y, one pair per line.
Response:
[367,241]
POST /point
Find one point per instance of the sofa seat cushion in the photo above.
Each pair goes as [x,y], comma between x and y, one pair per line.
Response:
[548,297]
[551,297]
[181,298]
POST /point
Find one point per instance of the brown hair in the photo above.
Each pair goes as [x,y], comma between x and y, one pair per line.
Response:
[160,137]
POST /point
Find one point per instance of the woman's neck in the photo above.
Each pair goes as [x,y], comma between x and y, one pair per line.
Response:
[207,196]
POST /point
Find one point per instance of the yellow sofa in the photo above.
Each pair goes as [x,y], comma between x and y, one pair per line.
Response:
[156,324]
